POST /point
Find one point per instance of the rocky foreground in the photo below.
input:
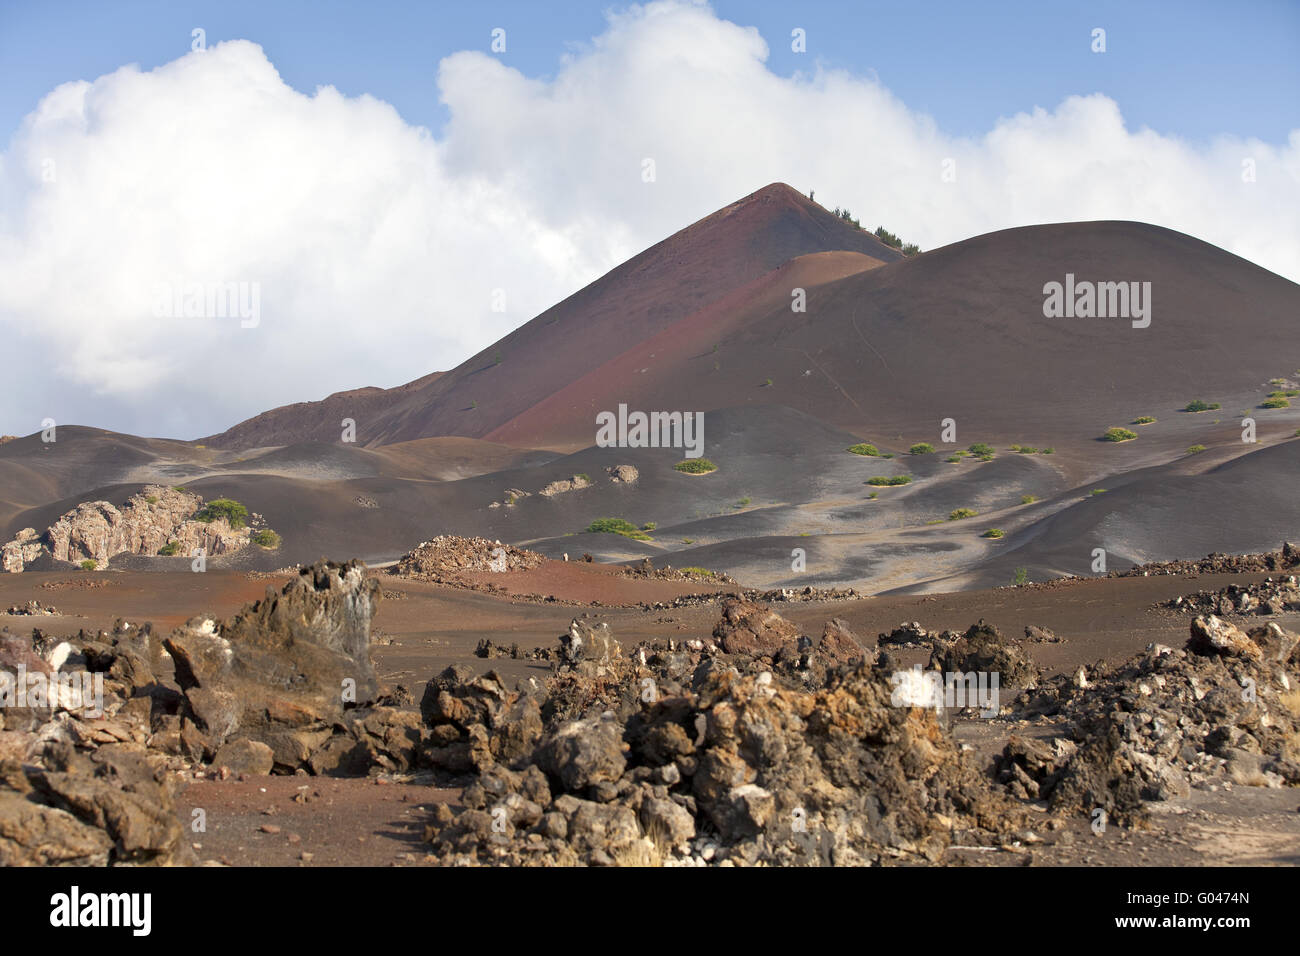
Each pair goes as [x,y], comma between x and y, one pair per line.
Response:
[754,744]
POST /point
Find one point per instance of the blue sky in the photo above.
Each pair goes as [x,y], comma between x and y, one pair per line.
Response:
[1188,69]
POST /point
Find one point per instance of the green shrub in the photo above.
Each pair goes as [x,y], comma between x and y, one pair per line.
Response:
[1277,381]
[231,510]
[705,571]
[767,382]
[953,458]
[889,239]
[1020,577]
[846,216]
[695,466]
[1097,491]
[743,502]
[1195,449]
[688,540]
[1275,403]
[882,481]
[935,521]
[617,526]
[89,564]
[1049,451]
[961,513]
[610,525]
[1119,434]
[1027,450]
[152,499]
[649,526]
[981,449]
[874,495]
[266,538]
[1143,420]
[170,549]
[862,448]
[1197,405]
[921,448]
[993,533]
[583,475]
[1027,499]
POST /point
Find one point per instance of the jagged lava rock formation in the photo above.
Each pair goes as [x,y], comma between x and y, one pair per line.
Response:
[145,524]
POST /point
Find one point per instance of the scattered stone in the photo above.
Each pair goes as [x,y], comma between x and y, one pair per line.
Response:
[907,634]
[447,559]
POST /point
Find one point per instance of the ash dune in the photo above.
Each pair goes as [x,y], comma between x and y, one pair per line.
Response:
[886,348]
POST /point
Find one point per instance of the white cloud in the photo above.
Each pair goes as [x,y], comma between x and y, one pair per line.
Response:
[377,246]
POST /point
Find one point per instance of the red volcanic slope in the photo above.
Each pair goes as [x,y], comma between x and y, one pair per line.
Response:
[682,365]
[669,281]
[318,421]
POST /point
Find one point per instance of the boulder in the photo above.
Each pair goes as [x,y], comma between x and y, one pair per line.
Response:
[983,649]
[245,756]
[583,753]
[117,791]
[589,640]
[1212,636]
[754,629]
[292,660]
[839,645]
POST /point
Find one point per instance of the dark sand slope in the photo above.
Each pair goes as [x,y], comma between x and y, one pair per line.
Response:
[1164,514]
[784,481]
[960,332]
[670,280]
